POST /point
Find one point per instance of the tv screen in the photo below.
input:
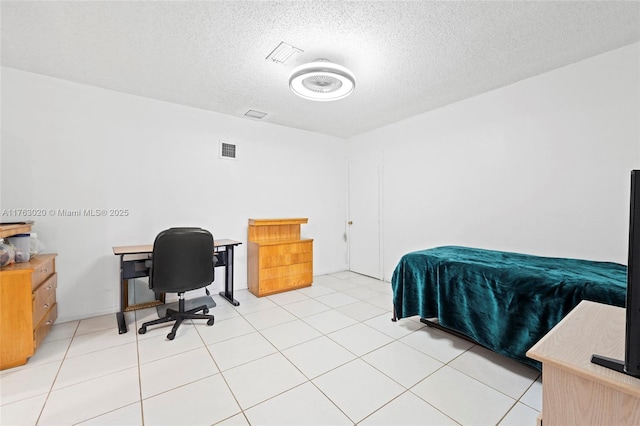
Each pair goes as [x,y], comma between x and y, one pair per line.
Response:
[631,363]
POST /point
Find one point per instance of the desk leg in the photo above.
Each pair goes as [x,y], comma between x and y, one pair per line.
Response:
[124,296]
[228,278]
[122,324]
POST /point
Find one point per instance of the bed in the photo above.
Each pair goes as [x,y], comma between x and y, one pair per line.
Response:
[501,300]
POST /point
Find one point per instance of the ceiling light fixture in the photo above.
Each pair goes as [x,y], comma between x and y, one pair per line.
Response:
[322,80]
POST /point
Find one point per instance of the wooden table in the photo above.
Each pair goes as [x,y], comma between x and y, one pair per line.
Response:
[574,390]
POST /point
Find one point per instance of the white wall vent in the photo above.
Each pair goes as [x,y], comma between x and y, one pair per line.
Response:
[228,150]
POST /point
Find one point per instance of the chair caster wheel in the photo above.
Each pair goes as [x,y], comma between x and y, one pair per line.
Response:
[205,311]
[210,321]
[142,330]
[171,336]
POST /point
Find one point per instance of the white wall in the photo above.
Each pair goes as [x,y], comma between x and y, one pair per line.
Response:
[71,146]
[541,166]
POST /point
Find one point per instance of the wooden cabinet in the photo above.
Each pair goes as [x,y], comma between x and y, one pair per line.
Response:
[576,391]
[277,258]
[27,307]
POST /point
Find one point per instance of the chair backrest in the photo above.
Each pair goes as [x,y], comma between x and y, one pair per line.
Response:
[182,260]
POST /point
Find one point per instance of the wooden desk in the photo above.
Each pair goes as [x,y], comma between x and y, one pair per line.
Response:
[132,265]
[574,390]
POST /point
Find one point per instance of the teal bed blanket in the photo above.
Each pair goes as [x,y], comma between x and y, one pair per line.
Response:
[504,301]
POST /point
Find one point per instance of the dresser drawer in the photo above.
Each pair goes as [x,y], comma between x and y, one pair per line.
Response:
[301,247]
[270,249]
[45,325]
[44,298]
[276,285]
[274,260]
[285,271]
[43,270]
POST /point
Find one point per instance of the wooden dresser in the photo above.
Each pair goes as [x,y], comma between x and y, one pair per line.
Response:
[27,306]
[277,258]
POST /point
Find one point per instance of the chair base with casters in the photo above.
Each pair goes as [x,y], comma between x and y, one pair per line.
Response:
[178,316]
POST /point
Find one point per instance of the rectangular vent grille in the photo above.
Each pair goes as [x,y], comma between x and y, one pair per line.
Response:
[282,53]
[252,113]
[228,150]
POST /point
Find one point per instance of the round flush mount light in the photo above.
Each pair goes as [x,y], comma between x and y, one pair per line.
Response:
[322,80]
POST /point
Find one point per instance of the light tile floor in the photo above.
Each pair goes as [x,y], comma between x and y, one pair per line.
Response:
[325,355]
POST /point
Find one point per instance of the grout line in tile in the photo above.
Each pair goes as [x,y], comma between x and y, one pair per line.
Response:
[507,413]
[57,373]
[331,400]
[135,321]
[486,384]
[528,389]
[107,412]
[409,391]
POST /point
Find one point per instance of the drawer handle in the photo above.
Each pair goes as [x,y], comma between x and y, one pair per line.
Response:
[49,322]
[46,305]
[45,270]
[49,288]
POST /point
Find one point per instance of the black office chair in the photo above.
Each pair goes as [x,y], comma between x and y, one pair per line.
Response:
[182,260]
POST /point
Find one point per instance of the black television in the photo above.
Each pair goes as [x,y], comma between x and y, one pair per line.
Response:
[631,363]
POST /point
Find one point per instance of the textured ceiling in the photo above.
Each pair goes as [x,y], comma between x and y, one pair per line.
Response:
[408,57]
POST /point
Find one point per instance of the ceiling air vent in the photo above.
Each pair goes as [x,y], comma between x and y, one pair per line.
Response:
[282,53]
[258,115]
[228,150]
